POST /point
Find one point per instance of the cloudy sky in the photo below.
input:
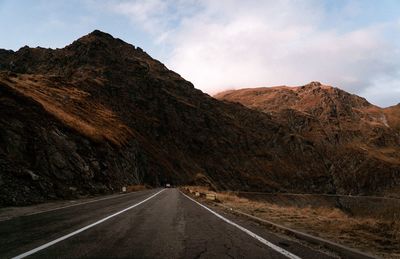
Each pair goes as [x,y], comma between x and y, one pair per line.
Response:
[230,44]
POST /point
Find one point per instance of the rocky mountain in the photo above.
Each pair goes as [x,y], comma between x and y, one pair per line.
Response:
[101,113]
[360,140]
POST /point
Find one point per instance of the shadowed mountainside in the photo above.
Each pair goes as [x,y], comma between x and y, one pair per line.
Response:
[100,114]
[361,140]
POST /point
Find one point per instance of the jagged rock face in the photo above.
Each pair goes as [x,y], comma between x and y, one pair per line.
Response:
[360,140]
[101,113]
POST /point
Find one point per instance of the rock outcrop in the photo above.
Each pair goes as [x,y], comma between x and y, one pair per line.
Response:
[100,114]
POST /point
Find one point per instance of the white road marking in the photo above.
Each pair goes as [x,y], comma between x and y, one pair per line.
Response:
[262,240]
[82,229]
[76,204]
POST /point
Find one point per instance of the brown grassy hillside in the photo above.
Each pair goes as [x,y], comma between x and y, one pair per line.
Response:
[362,140]
[72,106]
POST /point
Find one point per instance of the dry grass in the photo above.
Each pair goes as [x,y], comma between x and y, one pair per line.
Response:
[393,116]
[377,236]
[71,106]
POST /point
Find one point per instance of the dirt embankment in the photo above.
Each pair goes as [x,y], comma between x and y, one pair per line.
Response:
[355,206]
[369,224]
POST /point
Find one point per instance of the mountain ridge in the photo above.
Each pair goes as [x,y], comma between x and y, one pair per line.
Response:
[100,114]
[343,124]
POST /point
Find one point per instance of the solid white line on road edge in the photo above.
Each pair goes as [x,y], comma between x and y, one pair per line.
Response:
[82,229]
[262,240]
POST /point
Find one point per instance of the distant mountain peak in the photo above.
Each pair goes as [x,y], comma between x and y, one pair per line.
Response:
[99,40]
[314,83]
[99,33]
[97,36]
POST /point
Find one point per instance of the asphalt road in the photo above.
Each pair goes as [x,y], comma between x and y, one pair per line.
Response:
[148,224]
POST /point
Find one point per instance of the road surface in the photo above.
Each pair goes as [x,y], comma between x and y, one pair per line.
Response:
[158,223]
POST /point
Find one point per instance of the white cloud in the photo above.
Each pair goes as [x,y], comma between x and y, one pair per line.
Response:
[143,12]
[157,17]
[232,44]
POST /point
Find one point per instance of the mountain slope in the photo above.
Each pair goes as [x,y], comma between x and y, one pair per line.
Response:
[361,141]
[101,113]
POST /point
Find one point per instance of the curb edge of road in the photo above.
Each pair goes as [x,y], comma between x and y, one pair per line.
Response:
[342,250]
